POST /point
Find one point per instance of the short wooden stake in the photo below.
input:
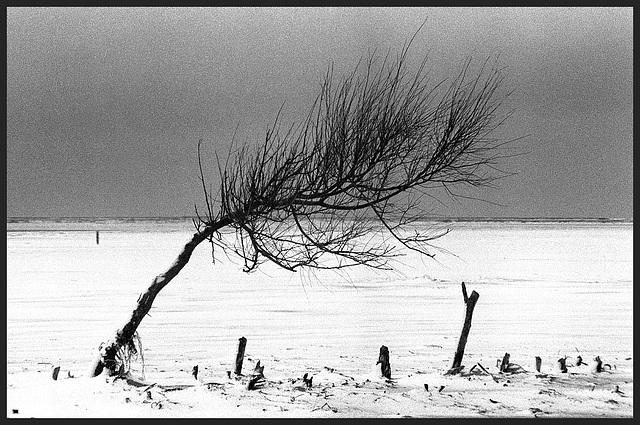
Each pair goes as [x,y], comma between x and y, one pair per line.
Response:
[383,360]
[307,381]
[505,362]
[194,371]
[598,367]
[97,237]
[538,363]
[562,364]
[240,356]
[470,301]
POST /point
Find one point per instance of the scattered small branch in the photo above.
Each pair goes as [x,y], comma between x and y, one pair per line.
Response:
[487,372]
[333,409]
[579,361]
[149,387]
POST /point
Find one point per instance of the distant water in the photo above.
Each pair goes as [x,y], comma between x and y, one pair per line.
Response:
[180,224]
[121,224]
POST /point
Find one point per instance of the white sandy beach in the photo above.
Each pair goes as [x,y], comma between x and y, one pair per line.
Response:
[546,289]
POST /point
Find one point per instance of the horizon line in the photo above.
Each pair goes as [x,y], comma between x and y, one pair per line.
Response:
[436,218]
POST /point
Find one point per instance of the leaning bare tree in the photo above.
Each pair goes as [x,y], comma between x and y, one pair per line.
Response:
[341,188]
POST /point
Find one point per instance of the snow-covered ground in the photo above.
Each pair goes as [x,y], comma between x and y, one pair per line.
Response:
[547,289]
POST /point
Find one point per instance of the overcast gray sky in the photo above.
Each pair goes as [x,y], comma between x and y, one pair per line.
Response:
[105,106]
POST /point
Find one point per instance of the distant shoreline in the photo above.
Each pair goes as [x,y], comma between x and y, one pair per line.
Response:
[181,224]
[426,218]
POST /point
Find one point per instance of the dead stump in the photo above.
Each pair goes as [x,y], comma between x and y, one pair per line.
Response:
[470,302]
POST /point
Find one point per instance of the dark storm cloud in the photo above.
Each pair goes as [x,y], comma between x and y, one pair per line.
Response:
[105,105]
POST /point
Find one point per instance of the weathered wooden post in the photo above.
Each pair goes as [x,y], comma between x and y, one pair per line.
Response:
[505,362]
[240,356]
[598,366]
[470,302]
[383,360]
[538,363]
[55,372]
[97,237]
[194,372]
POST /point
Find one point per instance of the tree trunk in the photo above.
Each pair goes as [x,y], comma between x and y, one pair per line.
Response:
[107,352]
[471,303]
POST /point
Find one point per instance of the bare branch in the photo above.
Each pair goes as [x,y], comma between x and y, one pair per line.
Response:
[341,188]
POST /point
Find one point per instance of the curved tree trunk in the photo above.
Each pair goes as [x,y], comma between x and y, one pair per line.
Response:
[106,357]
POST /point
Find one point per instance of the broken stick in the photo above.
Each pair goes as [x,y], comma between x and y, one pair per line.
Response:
[488,373]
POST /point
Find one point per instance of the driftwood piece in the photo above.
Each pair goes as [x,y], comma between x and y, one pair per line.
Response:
[242,343]
[488,373]
[257,377]
[470,302]
[383,360]
[134,382]
[580,362]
